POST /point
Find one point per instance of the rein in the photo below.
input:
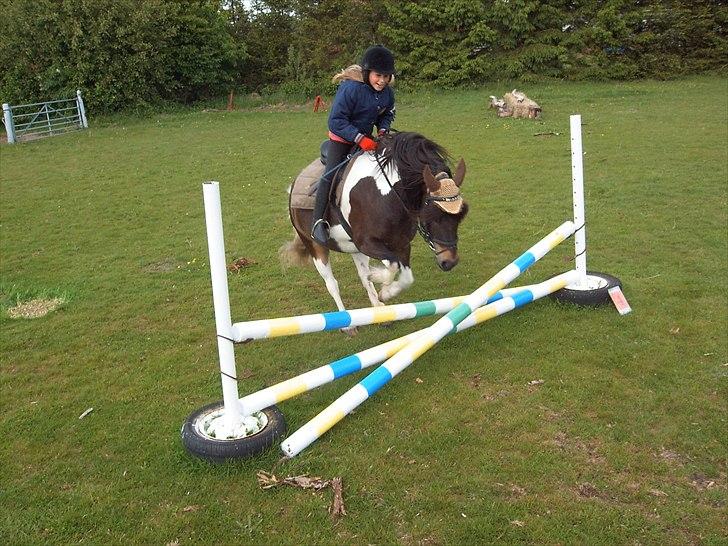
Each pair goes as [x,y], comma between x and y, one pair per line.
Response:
[349,157]
[421,229]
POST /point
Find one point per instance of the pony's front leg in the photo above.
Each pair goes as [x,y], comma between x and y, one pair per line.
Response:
[362,268]
[384,275]
[332,285]
[404,281]
[395,276]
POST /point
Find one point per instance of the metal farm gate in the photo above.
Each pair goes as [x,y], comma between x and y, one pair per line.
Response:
[41,119]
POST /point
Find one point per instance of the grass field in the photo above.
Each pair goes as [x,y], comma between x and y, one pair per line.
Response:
[624,441]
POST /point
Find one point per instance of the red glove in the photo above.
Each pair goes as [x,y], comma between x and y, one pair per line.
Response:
[367,144]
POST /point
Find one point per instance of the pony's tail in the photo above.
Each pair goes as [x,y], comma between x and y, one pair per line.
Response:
[294,252]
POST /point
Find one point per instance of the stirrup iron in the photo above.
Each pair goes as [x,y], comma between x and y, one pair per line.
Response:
[320,231]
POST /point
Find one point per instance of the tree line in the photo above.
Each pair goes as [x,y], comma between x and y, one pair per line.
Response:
[127,54]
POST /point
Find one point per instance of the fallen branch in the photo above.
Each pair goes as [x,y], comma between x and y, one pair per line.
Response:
[268,480]
[337,504]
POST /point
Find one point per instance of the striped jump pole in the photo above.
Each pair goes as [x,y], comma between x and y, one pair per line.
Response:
[312,430]
[334,320]
[319,322]
[502,302]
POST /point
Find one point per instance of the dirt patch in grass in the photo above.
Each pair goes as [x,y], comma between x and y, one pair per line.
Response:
[701,482]
[162,266]
[587,449]
[670,456]
[587,490]
[35,308]
[239,264]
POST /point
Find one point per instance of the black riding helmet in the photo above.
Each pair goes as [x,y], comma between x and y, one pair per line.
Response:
[379,59]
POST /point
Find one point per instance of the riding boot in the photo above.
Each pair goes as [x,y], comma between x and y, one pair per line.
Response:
[320,227]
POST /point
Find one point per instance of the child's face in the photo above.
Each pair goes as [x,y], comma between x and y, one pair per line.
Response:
[378,81]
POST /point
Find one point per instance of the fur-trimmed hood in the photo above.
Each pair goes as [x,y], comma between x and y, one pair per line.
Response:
[353,72]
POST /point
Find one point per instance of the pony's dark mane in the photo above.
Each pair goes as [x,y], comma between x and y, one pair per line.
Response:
[411,152]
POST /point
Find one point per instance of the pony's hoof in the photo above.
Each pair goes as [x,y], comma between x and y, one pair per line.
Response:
[385,324]
[351,331]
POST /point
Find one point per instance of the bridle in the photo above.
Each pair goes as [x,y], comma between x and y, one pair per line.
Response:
[429,239]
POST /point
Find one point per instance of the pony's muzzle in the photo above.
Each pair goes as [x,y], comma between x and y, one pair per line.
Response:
[448,259]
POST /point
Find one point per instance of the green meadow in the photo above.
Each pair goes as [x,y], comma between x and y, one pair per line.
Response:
[551,424]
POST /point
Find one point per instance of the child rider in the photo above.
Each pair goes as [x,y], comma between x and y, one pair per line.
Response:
[360,104]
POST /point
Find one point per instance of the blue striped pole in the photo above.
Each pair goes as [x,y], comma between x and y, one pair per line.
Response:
[312,430]
[502,302]
[318,322]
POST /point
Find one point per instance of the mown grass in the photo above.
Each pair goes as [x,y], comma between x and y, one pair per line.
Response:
[624,442]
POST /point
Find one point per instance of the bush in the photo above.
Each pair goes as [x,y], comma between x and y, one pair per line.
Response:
[120,53]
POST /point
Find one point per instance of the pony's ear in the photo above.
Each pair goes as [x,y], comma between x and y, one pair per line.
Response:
[428,177]
[459,173]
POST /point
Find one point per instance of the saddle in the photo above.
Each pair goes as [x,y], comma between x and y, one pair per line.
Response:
[303,190]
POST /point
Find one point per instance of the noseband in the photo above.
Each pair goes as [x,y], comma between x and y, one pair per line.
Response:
[431,241]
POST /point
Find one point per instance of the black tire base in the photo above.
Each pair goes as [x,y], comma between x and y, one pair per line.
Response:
[588,298]
[220,451]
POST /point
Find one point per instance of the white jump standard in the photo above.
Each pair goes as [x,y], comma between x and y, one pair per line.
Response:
[592,288]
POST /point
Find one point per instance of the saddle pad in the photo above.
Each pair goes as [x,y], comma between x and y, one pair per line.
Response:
[303,191]
[303,196]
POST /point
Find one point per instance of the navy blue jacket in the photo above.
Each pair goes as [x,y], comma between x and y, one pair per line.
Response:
[357,108]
